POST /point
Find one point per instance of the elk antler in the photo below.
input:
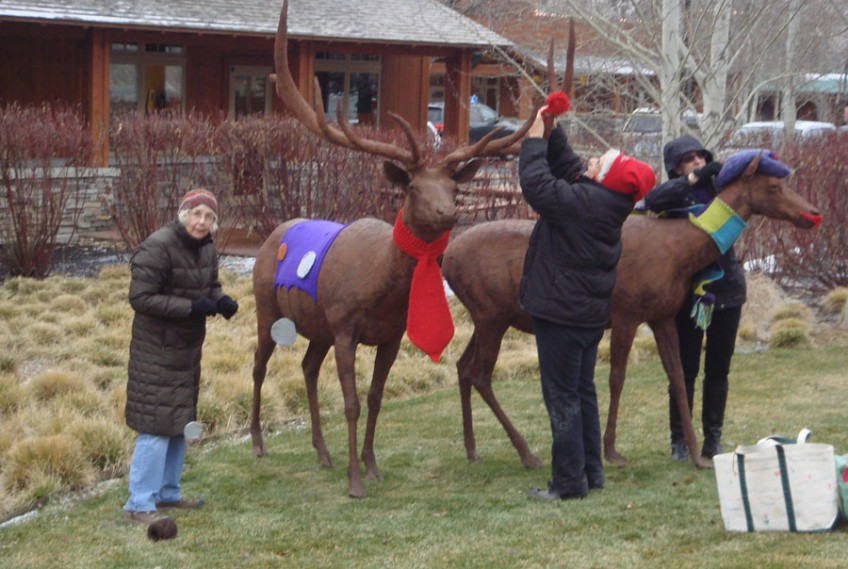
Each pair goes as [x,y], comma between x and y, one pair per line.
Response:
[552,77]
[511,144]
[568,78]
[486,147]
[312,116]
[567,84]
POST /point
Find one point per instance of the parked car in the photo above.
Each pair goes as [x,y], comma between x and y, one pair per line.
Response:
[433,135]
[482,120]
[769,134]
[642,133]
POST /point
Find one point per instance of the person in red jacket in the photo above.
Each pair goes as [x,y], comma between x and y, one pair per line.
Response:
[566,287]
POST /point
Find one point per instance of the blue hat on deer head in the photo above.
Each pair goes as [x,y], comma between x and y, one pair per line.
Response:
[736,164]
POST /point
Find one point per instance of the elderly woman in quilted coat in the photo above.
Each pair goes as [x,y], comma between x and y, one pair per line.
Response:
[173,290]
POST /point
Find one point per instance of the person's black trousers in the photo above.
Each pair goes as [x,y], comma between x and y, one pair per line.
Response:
[567,358]
[718,352]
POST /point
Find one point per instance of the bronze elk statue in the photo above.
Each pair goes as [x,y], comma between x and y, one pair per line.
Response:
[659,257]
[362,290]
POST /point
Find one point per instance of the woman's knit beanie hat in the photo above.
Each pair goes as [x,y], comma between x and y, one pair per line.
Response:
[197,197]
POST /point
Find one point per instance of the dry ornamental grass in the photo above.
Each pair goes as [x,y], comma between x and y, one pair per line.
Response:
[63,375]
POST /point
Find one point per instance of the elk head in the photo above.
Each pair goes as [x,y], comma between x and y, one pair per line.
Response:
[771,197]
[431,189]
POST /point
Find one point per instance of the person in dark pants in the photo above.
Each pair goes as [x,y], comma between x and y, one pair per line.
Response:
[566,287]
[691,171]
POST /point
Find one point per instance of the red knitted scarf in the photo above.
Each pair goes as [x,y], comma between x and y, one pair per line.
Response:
[428,323]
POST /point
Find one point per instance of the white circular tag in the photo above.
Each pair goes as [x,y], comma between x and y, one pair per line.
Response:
[306,264]
[283,332]
[193,430]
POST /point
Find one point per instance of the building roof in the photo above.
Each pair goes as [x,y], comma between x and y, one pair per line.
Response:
[583,64]
[829,83]
[394,22]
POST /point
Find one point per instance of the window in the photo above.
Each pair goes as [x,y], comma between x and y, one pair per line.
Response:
[146,77]
[352,80]
[250,90]
[487,90]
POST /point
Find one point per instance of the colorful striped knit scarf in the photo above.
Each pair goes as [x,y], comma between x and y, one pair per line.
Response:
[721,223]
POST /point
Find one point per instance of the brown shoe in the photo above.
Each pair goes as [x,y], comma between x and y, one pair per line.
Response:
[182,504]
[143,517]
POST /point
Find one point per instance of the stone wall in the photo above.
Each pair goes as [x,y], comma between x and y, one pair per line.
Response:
[94,215]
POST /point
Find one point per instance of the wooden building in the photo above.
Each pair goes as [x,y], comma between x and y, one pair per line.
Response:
[214,56]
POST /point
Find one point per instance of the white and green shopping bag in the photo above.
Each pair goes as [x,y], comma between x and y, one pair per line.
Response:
[778,484]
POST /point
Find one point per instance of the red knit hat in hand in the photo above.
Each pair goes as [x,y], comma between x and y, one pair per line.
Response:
[197,197]
[626,175]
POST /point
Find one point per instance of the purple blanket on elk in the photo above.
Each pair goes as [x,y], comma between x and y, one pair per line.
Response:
[301,253]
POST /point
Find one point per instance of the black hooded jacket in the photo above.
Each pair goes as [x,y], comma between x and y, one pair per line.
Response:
[676,193]
[569,267]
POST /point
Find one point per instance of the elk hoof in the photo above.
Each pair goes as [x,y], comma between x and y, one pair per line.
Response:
[531,462]
[259,450]
[615,459]
[473,456]
[356,491]
[702,462]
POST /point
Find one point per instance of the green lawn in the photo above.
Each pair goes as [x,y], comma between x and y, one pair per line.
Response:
[435,509]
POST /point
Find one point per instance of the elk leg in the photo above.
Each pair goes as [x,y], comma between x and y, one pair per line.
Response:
[621,340]
[264,349]
[464,372]
[345,349]
[482,366]
[311,366]
[386,355]
[668,346]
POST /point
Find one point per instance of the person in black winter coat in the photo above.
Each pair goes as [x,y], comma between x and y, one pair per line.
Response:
[691,171]
[173,289]
[566,287]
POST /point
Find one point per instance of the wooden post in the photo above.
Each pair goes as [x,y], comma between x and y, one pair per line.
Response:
[98,95]
[458,95]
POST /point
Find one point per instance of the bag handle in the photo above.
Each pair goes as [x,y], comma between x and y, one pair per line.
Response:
[774,440]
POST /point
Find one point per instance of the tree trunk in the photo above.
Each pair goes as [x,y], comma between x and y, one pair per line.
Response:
[670,69]
[715,119]
[788,99]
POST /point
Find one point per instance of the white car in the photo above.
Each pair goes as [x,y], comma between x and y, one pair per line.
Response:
[769,134]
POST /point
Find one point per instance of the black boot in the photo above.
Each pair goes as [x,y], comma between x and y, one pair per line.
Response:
[712,416]
[679,451]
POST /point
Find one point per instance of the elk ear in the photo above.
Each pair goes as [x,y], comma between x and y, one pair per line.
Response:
[395,174]
[752,166]
[467,172]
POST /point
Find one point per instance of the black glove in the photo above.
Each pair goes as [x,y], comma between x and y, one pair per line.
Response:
[709,171]
[227,307]
[204,306]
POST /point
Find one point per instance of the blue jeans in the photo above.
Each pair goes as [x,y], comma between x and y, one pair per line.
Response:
[567,358]
[155,471]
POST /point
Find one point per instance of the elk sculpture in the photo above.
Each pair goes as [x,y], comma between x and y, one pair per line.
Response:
[361,293]
[659,257]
